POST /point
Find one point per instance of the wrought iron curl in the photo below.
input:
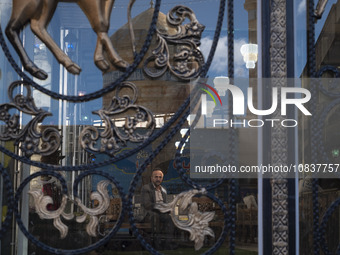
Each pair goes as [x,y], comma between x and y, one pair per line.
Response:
[198,223]
[182,172]
[188,60]
[101,195]
[226,218]
[41,201]
[336,73]
[178,14]
[113,139]
[29,137]
[18,195]
[65,192]
[323,225]
[320,127]
[232,142]
[6,223]
[321,116]
[314,123]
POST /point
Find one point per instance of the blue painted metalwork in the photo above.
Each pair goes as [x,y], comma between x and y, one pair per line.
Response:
[10,201]
[314,158]
[325,218]
[318,122]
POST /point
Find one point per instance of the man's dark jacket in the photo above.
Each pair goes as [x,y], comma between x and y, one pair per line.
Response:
[161,222]
[149,199]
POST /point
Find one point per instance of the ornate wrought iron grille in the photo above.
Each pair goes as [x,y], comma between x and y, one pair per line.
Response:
[46,142]
[318,122]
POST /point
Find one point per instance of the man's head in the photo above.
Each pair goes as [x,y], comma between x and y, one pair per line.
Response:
[157,177]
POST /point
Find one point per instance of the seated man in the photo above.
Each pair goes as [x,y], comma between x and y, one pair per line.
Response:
[151,194]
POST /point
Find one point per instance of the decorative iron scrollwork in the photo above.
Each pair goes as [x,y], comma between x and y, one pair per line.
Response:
[197,224]
[32,142]
[186,63]
[113,138]
[101,195]
[180,116]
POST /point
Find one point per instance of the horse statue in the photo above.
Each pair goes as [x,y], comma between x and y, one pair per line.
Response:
[40,12]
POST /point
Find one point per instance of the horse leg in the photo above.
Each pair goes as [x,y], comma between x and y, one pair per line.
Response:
[38,26]
[98,13]
[132,34]
[22,12]
[119,62]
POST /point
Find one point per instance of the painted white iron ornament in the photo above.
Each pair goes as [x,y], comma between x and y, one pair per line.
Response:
[101,195]
[197,224]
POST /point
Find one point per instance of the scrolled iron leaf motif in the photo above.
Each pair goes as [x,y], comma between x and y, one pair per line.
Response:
[101,195]
[197,224]
[113,138]
[186,63]
[31,141]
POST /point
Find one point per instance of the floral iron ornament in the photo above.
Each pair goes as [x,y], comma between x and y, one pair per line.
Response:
[101,195]
[114,138]
[197,224]
[32,142]
[187,62]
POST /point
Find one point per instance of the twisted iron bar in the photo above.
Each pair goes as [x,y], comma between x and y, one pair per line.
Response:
[183,172]
[10,201]
[232,142]
[321,125]
[323,225]
[314,153]
[336,73]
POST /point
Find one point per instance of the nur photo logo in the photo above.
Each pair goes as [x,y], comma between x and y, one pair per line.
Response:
[207,108]
[281,98]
